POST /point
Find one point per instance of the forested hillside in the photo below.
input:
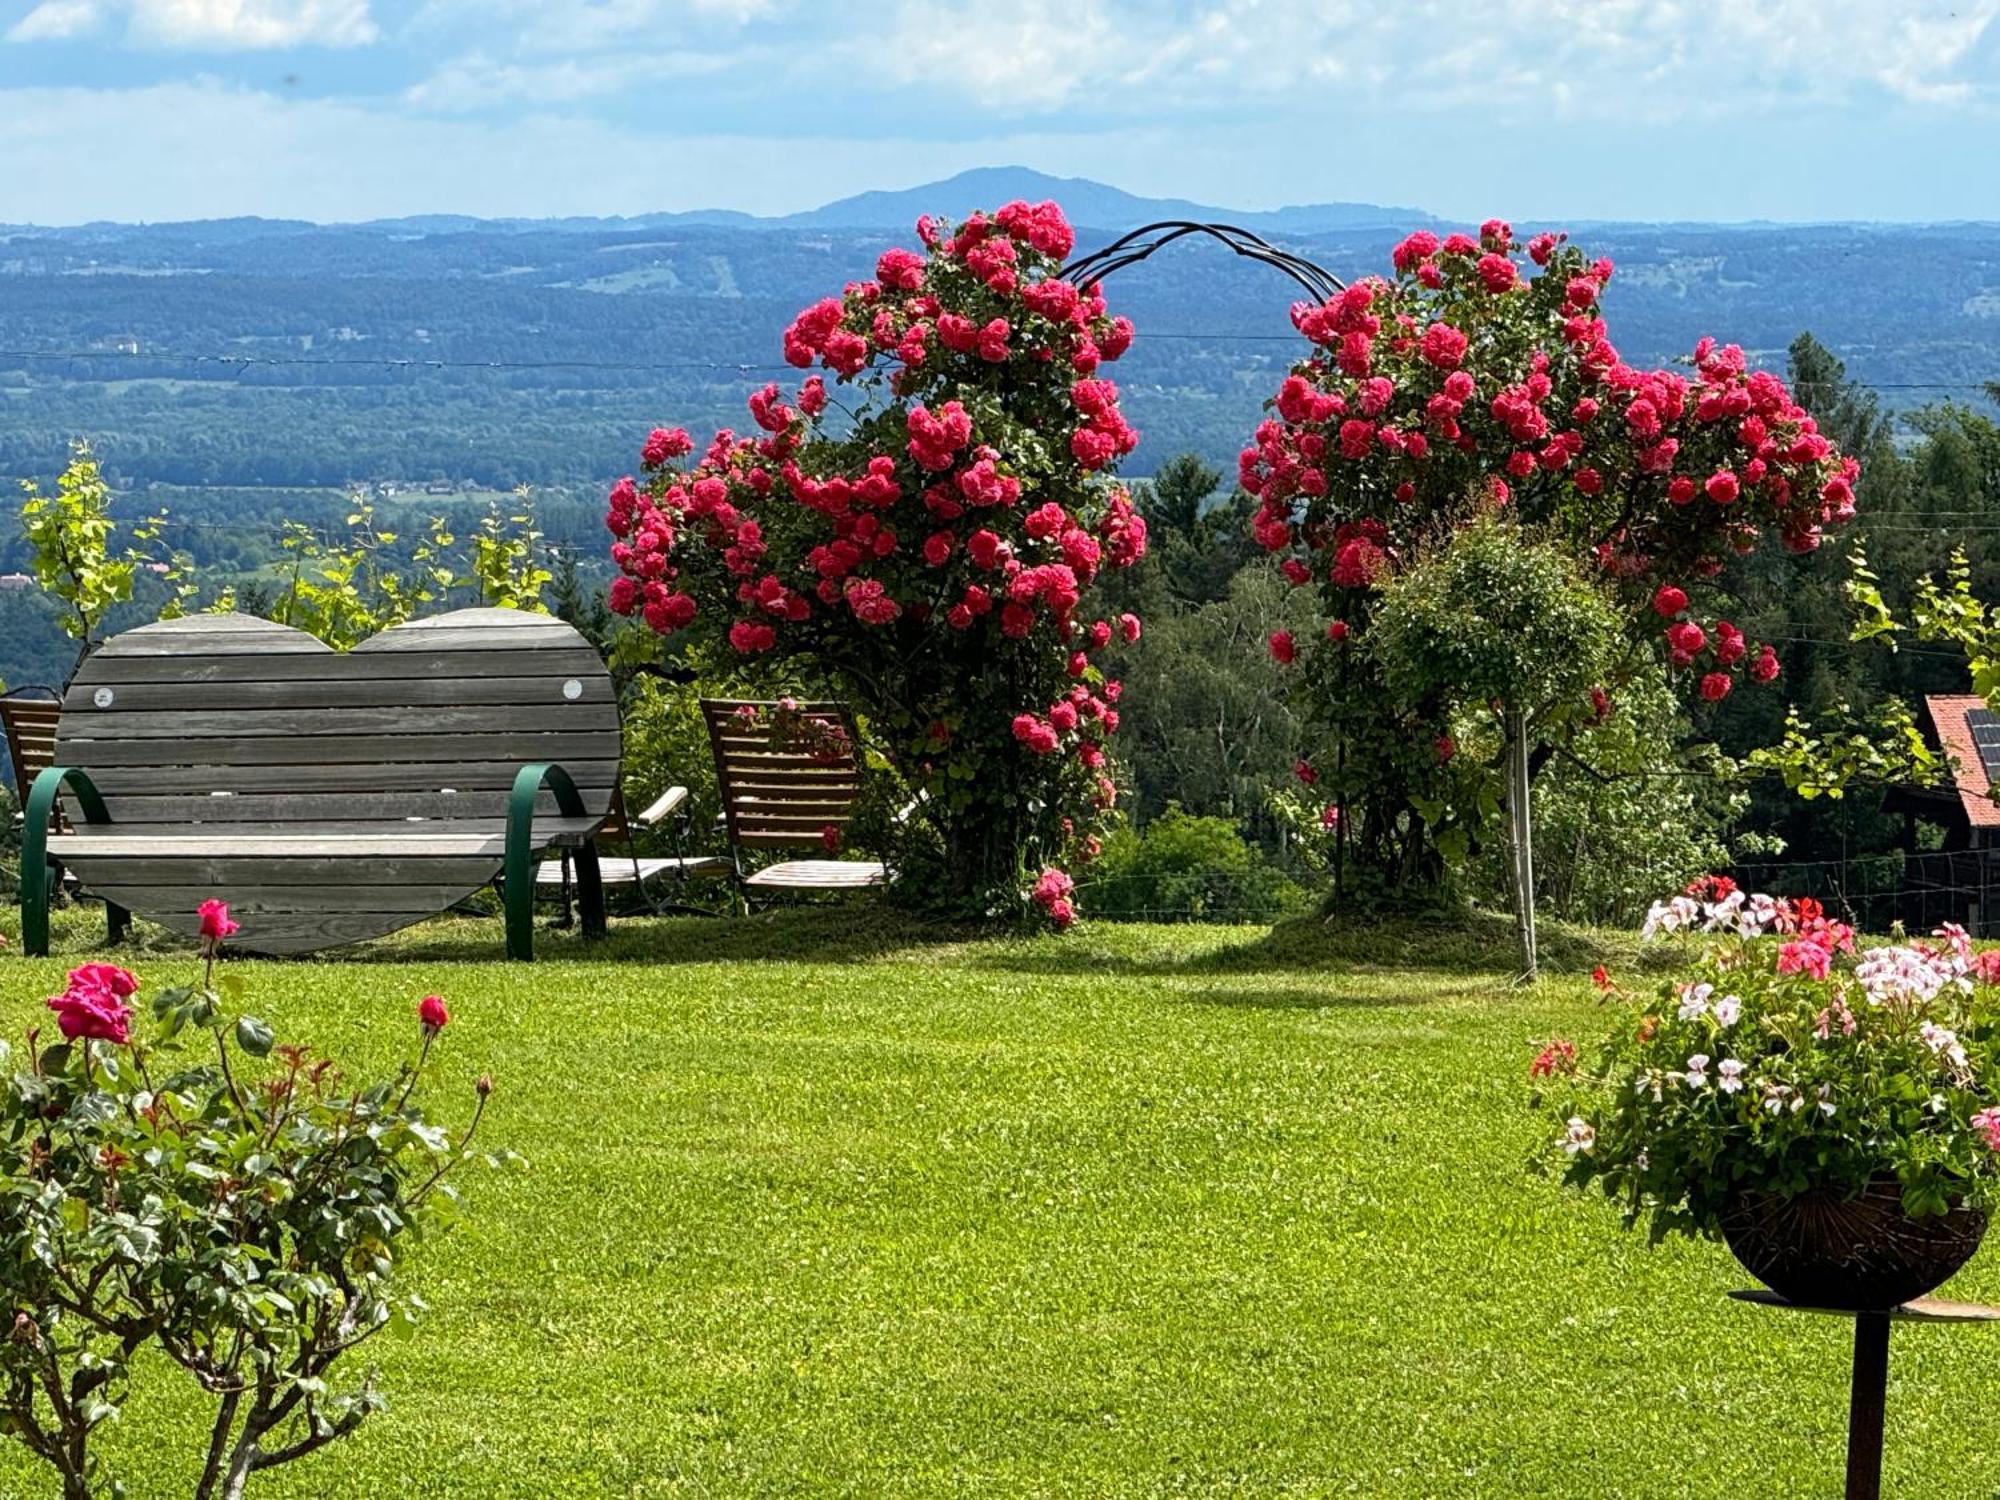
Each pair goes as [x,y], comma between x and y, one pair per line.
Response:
[254,353]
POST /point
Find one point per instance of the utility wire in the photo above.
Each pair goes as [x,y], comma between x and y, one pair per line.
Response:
[736,367]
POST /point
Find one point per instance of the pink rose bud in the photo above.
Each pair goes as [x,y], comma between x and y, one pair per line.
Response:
[433,1015]
[216,923]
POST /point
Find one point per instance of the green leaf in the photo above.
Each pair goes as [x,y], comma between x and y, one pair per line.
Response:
[254,1036]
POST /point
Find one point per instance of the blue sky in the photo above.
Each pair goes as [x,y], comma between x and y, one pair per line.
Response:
[1533,109]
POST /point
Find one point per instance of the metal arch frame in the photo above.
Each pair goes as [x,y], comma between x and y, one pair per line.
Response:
[1131,248]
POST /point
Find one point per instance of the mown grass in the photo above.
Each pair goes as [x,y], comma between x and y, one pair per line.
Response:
[824,1204]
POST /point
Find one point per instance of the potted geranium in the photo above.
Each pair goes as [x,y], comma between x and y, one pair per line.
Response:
[1828,1112]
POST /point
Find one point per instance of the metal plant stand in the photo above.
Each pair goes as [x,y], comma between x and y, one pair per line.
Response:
[1870,1392]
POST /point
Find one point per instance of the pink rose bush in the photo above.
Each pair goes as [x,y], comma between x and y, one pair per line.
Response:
[926,547]
[1480,377]
[194,1201]
[1783,1057]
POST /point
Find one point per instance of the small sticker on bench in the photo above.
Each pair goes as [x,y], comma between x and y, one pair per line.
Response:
[573,689]
[103,697]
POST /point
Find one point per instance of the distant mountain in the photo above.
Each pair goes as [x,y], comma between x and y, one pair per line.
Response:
[1091,205]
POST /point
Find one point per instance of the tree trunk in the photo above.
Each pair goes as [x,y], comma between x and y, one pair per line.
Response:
[1520,814]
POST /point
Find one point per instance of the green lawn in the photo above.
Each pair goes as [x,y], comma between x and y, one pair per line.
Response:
[1140,1211]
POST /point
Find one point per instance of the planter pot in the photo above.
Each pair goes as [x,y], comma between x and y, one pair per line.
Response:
[1860,1254]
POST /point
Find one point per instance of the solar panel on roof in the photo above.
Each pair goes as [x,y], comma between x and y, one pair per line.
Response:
[1985,727]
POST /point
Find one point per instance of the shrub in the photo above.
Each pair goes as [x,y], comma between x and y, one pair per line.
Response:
[930,554]
[1465,385]
[233,1205]
[1185,868]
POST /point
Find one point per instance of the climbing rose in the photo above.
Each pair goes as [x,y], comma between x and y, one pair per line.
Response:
[1284,649]
[1669,601]
[1715,686]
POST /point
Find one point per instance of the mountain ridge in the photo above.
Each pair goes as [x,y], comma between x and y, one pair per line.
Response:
[1090,204]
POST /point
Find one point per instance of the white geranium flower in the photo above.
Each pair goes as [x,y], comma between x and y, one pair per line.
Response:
[1728,1010]
[1581,1136]
[1697,1071]
[1694,1000]
[1729,1075]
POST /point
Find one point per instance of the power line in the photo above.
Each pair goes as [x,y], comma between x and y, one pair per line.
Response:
[736,367]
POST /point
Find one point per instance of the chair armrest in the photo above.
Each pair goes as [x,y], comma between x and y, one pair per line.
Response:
[519,878]
[669,801]
[36,817]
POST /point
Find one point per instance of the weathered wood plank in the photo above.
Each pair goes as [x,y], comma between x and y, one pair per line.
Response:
[307,667]
[438,635]
[93,726]
[591,776]
[248,901]
[350,807]
[284,934]
[100,845]
[325,750]
[362,692]
[215,871]
[277,641]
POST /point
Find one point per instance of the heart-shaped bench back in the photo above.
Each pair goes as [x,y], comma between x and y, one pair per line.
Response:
[230,724]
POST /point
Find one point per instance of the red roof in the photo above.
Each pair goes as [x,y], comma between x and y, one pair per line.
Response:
[1969,774]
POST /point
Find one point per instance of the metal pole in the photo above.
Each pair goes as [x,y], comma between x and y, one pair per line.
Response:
[1864,1413]
[1524,834]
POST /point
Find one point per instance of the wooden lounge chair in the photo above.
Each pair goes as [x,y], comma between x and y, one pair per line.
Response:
[28,716]
[327,797]
[786,790]
[660,880]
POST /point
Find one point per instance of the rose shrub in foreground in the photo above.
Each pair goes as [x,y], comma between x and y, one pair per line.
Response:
[926,548]
[1784,1060]
[203,1193]
[1481,379]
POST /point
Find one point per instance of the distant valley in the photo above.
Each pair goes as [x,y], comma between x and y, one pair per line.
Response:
[257,354]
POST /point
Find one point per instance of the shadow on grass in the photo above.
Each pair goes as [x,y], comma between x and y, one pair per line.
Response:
[1450,941]
[848,932]
[1225,998]
[866,930]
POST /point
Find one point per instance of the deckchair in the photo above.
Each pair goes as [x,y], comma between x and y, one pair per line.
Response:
[789,775]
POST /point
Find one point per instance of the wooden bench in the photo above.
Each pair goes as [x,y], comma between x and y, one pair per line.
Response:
[786,795]
[327,797]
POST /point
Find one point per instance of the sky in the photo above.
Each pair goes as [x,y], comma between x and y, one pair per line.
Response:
[1543,110]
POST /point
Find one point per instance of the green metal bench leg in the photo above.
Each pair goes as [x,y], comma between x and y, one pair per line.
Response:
[518,873]
[37,875]
[590,891]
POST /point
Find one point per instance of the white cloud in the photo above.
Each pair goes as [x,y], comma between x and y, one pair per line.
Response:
[553,27]
[1680,58]
[209,25]
[477,81]
[56,21]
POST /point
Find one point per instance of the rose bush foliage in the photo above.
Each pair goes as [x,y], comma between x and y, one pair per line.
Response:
[193,1195]
[928,551]
[1480,377]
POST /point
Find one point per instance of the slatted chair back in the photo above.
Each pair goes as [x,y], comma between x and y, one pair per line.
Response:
[783,792]
[224,725]
[29,716]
